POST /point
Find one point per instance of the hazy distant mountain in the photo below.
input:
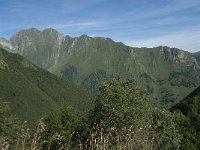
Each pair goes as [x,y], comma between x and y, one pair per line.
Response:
[168,74]
[5,44]
[32,91]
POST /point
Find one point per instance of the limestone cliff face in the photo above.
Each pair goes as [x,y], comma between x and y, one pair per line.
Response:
[41,47]
[179,56]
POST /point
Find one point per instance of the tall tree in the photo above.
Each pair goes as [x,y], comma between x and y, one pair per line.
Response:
[123,118]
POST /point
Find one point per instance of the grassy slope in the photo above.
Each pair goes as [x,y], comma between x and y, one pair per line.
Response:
[118,59]
[190,105]
[33,91]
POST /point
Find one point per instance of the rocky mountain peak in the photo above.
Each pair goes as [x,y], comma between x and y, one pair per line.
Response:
[28,31]
[178,56]
[52,32]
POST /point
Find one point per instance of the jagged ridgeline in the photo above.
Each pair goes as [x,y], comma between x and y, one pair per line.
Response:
[168,74]
[32,91]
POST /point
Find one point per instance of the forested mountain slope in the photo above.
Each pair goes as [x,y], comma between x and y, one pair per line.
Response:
[32,91]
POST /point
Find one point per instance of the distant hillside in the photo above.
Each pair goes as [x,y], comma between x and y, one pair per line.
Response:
[190,125]
[190,105]
[168,74]
[32,91]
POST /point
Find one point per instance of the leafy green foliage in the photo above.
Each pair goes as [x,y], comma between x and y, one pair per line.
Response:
[190,136]
[62,121]
[124,116]
[64,127]
[118,101]
[9,126]
[166,133]
[187,114]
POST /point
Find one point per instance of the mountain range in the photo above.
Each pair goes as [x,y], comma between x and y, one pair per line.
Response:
[168,74]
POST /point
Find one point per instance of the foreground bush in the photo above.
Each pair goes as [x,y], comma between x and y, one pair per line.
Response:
[122,119]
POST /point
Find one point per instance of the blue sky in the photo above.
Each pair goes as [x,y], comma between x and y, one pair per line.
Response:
[138,23]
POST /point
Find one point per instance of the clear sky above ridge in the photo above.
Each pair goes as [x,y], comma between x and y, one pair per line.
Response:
[138,23]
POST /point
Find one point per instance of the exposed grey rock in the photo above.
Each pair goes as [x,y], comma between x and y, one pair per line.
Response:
[6,44]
